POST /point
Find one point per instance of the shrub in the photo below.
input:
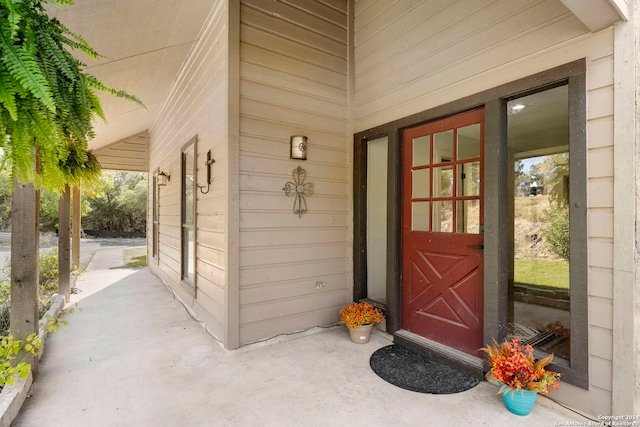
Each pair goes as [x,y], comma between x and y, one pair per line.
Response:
[556,230]
[48,265]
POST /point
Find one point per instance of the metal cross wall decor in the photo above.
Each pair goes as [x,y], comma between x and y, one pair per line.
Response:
[299,189]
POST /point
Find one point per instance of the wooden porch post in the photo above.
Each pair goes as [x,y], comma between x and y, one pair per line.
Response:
[25,246]
[64,262]
[75,223]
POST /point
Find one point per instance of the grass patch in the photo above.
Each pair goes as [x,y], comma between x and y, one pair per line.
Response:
[542,272]
[135,257]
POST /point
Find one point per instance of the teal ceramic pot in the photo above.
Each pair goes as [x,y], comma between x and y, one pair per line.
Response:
[519,402]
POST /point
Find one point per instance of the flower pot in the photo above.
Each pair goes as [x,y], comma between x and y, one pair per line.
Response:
[519,402]
[360,334]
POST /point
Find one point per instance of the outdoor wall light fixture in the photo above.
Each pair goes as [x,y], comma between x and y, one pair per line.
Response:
[299,147]
[207,164]
[163,178]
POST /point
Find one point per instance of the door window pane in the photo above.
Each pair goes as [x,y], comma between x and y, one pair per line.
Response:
[468,216]
[420,216]
[443,146]
[443,216]
[469,142]
[420,185]
[468,179]
[443,181]
[422,150]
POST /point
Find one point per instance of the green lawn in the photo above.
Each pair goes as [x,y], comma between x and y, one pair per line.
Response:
[542,272]
[135,257]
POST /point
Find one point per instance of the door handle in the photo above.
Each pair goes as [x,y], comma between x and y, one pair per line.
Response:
[479,247]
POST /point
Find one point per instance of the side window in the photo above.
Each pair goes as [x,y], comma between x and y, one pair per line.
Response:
[155,214]
[377,158]
[188,222]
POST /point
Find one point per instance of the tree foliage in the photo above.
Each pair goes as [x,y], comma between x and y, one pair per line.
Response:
[117,201]
[121,206]
[556,228]
[47,103]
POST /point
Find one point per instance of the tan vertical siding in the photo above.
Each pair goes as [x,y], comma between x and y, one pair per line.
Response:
[411,56]
[293,69]
[196,105]
[439,51]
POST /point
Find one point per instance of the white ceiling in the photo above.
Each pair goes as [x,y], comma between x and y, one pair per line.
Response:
[144,43]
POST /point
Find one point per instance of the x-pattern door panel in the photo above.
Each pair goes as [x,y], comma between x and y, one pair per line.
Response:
[442,271]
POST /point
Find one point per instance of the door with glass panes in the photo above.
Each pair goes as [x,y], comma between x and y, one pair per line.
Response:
[442,226]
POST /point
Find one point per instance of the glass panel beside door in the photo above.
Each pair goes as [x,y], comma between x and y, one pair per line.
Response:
[538,139]
[377,154]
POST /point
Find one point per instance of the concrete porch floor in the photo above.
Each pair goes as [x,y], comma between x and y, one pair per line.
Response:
[134,357]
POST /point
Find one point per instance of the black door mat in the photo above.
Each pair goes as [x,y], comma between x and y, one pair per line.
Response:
[415,372]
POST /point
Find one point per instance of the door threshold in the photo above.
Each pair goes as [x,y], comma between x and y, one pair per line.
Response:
[457,359]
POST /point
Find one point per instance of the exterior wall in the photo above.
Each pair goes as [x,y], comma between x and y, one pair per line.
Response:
[293,81]
[415,55]
[626,317]
[197,105]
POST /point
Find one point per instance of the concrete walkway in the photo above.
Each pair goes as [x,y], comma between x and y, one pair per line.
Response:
[134,357]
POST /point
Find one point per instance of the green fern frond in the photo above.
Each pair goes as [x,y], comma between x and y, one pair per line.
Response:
[75,41]
[96,106]
[77,164]
[7,94]
[95,84]
[41,127]
[64,62]
[13,18]
[21,150]
[59,3]
[22,66]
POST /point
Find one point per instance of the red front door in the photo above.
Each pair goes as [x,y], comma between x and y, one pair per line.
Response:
[442,225]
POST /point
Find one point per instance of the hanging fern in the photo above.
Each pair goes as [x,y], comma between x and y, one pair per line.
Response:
[47,102]
[21,63]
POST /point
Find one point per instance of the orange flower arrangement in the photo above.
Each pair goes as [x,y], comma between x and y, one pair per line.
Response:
[360,313]
[514,366]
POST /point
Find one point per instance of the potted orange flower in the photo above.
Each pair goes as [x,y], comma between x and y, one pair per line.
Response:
[521,377]
[360,317]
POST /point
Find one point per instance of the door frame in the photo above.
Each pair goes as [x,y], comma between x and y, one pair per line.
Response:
[497,263]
